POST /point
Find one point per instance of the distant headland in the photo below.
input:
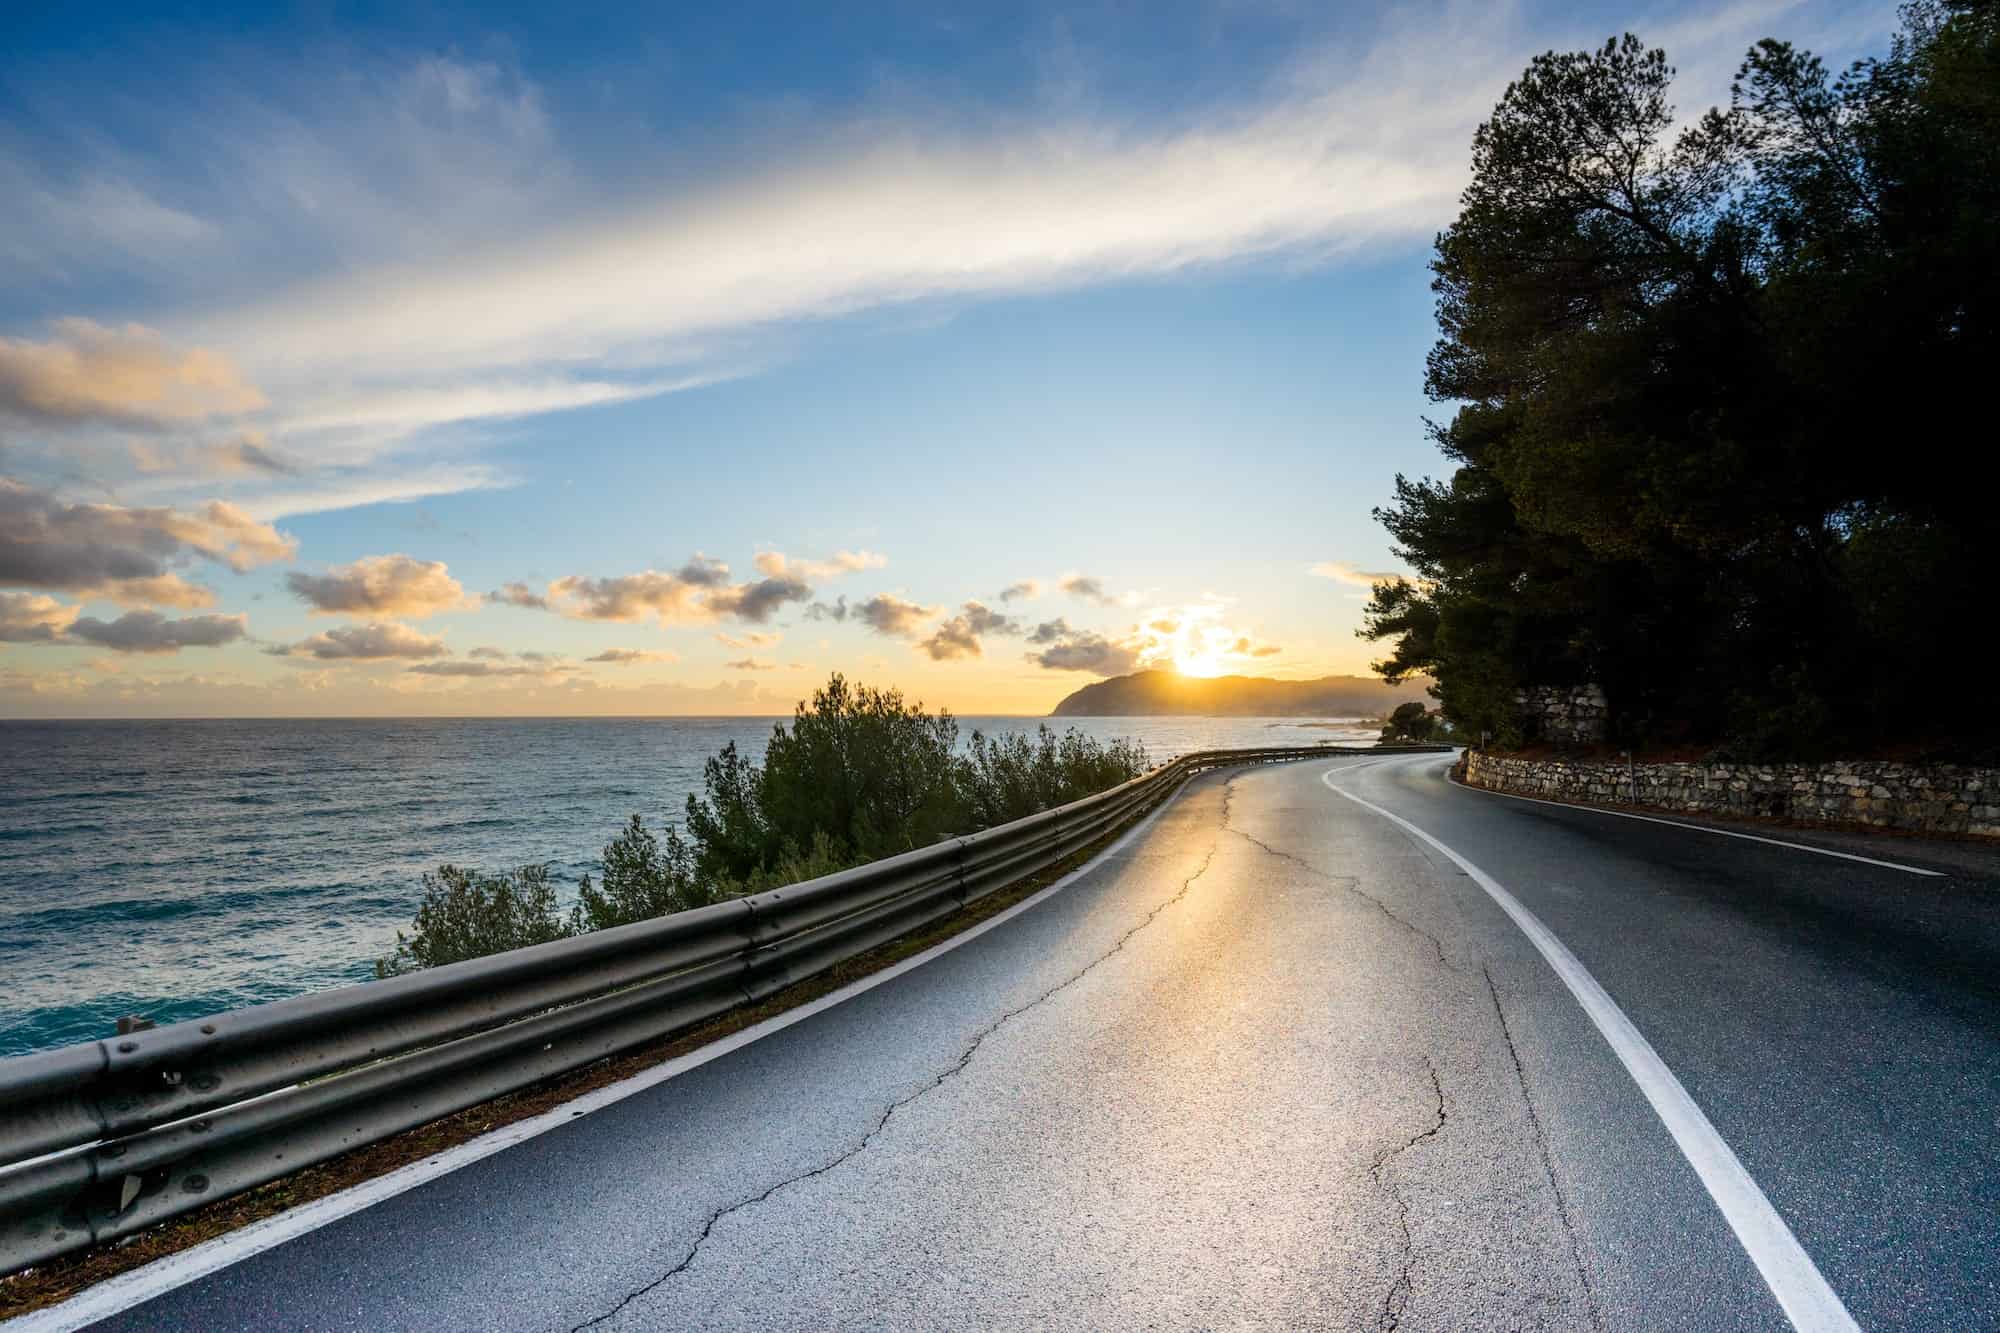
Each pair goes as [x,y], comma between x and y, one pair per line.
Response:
[1169,693]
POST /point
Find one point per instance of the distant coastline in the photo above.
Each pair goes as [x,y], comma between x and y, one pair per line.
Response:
[1170,694]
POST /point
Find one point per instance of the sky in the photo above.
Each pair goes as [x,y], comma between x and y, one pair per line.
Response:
[426,359]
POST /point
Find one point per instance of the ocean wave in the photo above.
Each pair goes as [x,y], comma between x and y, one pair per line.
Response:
[48,831]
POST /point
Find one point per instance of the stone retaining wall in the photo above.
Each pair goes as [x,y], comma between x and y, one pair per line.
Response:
[1566,715]
[1927,798]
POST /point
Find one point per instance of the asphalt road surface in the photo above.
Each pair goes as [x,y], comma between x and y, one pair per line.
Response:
[1277,1062]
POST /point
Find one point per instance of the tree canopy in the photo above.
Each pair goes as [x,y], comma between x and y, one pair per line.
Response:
[1715,437]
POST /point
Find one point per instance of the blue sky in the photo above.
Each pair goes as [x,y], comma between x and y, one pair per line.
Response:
[406,358]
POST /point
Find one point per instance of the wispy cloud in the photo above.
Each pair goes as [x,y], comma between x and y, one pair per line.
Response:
[247,454]
[1342,572]
[484,274]
[487,669]
[397,253]
[874,214]
[632,656]
[775,564]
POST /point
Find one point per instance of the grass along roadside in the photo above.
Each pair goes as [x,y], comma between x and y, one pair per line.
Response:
[52,1282]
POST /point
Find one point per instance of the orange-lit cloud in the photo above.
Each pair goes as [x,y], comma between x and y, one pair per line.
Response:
[632,656]
[30,617]
[92,372]
[775,564]
[375,641]
[1342,572]
[380,585]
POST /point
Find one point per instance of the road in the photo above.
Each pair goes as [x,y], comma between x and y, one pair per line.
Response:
[1276,1062]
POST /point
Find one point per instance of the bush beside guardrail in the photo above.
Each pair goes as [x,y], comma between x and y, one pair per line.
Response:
[104,1139]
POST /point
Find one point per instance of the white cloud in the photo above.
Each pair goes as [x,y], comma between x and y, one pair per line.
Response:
[346,488]
[381,415]
[485,276]
[876,215]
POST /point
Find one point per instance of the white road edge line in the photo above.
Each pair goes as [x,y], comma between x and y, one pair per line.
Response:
[1703,828]
[1787,1269]
[121,1293]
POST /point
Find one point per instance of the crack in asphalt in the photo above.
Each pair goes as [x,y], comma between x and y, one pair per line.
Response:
[1346,882]
[950,1072]
[1548,1163]
[1397,1298]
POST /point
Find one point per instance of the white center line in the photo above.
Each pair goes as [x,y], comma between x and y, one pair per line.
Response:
[1801,1290]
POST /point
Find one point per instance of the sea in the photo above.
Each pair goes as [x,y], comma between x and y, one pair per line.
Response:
[172,869]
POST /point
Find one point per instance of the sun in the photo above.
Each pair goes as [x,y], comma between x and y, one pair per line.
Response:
[1201,662]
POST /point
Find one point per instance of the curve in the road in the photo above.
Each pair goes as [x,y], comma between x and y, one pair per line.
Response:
[1801,1290]
[1334,1083]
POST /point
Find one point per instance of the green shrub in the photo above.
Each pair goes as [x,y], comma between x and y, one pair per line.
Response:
[860,774]
[860,767]
[466,914]
[1011,777]
[641,880]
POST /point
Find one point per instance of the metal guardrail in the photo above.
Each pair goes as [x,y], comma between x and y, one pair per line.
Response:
[103,1139]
